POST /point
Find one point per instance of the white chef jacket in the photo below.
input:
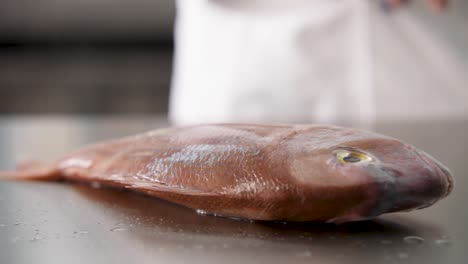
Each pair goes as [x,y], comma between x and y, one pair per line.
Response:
[271,61]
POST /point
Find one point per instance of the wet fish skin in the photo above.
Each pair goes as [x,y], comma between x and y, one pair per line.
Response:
[261,172]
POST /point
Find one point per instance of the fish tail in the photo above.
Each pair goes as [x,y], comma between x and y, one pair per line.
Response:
[32,170]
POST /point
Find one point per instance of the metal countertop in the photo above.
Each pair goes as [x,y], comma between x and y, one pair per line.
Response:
[71,223]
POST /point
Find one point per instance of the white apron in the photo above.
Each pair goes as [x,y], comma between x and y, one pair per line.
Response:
[271,61]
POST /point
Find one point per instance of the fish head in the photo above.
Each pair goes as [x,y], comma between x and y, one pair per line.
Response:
[363,175]
[405,177]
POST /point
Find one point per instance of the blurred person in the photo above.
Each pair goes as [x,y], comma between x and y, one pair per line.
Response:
[274,61]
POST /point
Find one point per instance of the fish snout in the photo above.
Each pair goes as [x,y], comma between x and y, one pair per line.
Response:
[439,171]
[420,184]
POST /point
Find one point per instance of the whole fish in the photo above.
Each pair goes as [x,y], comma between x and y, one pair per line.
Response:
[262,172]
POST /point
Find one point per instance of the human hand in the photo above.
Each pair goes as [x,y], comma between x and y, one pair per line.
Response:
[436,5]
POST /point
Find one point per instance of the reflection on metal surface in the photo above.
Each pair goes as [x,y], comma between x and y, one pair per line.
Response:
[145,224]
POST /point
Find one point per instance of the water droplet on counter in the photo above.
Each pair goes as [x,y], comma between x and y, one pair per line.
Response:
[202,212]
[339,256]
[442,242]
[118,229]
[402,255]
[35,238]
[305,254]
[414,240]
[80,232]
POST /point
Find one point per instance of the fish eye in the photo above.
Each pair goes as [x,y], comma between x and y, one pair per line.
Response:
[351,156]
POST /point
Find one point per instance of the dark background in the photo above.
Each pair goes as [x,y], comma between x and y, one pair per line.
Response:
[87,56]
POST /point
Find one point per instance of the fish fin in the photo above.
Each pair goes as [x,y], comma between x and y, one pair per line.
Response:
[27,165]
[161,187]
[32,170]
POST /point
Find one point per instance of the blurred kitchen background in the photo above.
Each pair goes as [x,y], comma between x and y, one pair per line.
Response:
[90,56]
[101,56]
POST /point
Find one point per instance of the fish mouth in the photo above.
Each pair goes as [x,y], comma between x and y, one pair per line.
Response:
[440,169]
[411,187]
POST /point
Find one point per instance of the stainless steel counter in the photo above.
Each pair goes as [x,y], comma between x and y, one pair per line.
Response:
[69,223]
